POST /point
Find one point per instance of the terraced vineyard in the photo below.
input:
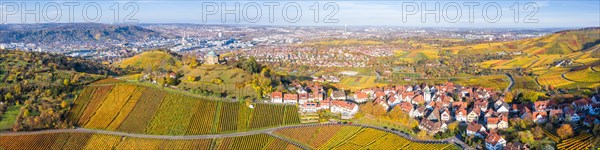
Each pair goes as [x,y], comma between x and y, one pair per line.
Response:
[352,137]
[554,77]
[104,141]
[552,136]
[525,82]
[582,141]
[358,82]
[498,82]
[268,115]
[134,108]
[584,75]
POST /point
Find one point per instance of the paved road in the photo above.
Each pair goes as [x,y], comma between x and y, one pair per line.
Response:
[512,82]
[269,131]
[210,136]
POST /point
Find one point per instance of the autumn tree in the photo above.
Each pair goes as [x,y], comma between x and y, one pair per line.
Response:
[378,110]
[596,129]
[191,78]
[508,97]
[565,131]
[396,113]
[530,96]
[193,63]
[537,132]
[66,82]
[8,97]
[64,104]
[453,127]
[526,137]
[367,108]
[422,134]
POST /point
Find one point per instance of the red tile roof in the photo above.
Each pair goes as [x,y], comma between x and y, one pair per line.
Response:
[493,138]
[344,104]
[474,127]
[290,97]
[361,95]
[406,106]
[276,95]
[540,105]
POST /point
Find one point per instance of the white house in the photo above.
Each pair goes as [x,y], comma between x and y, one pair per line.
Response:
[461,115]
[309,107]
[361,97]
[419,112]
[290,98]
[348,108]
[473,115]
[494,141]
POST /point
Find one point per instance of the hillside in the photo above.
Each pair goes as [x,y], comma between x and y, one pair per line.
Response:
[559,43]
[73,32]
[353,137]
[324,136]
[68,140]
[133,108]
[152,60]
[416,55]
[44,81]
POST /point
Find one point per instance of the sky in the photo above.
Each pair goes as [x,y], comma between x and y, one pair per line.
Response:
[429,13]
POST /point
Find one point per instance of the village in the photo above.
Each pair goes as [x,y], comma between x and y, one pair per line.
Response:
[483,111]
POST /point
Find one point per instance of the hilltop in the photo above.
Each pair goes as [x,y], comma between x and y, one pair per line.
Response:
[220,79]
[152,60]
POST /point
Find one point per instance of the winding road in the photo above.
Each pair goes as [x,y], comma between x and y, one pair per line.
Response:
[512,82]
[269,131]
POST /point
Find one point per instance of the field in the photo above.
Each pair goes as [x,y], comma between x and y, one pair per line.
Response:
[357,82]
[498,82]
[132,108]
[525,82]
[581,141]
[104,141]
[521,62]
[413,56]
[111,106]
[552,136]
[173,116]
[152,59]
[554,78]
[9,117]
[584,75]
[351,137]
[265,115]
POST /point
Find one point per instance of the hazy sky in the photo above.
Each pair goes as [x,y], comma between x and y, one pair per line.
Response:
[445,13]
